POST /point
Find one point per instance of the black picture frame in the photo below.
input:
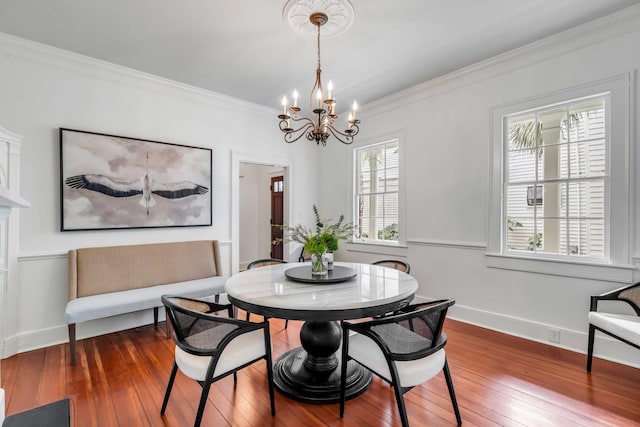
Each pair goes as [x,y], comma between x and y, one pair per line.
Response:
[116,182]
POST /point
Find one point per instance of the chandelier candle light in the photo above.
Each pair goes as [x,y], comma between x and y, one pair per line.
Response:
[322,125]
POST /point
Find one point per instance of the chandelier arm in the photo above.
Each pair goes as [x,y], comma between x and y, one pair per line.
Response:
[284,124]
[299,119]
[354,130]
[290,137]
[348,138]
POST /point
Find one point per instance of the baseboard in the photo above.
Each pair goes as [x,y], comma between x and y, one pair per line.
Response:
[10,347]
[576,341]
[59,334]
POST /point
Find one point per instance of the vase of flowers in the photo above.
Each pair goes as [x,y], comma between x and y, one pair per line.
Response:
[319,265]
[316,246]
[321,242]
[331,241]
[329,257]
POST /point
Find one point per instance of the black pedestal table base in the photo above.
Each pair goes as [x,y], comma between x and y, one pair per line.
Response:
[312,374]
[293,379]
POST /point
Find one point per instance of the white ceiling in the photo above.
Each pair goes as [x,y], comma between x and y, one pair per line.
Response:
[245,49]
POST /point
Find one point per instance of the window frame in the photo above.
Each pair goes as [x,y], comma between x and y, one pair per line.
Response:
[616,264]
[539,182]
[364,145]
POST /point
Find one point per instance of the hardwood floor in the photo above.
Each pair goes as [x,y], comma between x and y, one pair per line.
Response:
[499,380]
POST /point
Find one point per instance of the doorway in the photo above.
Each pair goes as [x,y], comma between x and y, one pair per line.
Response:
[261,203]
[277,215]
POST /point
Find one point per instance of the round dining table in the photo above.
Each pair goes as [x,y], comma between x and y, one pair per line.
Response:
[311,373]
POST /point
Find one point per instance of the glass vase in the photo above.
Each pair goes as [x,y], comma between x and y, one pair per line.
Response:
[319,266]
[329,258]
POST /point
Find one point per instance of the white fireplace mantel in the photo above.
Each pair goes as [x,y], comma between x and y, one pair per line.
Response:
[9,186]
[8,201]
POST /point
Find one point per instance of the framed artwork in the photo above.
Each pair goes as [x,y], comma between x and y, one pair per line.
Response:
[115,182]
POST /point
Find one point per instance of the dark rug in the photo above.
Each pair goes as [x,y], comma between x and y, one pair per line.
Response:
[54,414]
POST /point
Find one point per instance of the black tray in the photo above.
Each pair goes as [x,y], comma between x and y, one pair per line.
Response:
[303,274]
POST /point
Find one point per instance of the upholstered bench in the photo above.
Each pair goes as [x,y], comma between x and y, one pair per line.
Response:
[625,327]
[108,281]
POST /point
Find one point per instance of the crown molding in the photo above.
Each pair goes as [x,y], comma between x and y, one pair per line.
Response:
[601,29]
[35,52]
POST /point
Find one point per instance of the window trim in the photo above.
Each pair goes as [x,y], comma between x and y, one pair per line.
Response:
[606,99]
[400,137]
[617,267]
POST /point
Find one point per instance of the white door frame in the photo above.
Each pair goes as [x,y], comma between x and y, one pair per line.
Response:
[236,159]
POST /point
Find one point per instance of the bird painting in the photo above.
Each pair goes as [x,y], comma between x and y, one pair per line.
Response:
[115,182]
[145,186]
[122,188]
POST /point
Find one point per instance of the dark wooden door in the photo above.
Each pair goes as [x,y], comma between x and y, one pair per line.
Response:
[277,214]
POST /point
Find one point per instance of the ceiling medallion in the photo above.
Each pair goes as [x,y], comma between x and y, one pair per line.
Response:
[322,123]
[339,13]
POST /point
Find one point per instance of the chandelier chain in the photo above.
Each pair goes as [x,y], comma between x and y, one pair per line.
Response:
[319,46]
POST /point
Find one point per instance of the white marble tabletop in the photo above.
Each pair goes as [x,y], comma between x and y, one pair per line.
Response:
[266,290]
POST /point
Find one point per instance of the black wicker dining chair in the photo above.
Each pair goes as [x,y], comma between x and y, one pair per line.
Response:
[405,349]
[301,257]
[262,263]
[210,347]
[265,261]
[394,263]
[623,327]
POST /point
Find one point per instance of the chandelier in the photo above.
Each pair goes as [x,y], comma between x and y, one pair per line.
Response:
[322,124]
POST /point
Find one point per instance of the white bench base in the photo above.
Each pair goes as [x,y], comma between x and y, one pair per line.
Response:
[115,303]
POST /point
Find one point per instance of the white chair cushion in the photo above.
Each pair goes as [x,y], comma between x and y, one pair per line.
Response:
[411,373]
[241,350]
[621,325]
[114,303]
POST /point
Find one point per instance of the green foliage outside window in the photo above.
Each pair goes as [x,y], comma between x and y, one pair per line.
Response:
[390,232]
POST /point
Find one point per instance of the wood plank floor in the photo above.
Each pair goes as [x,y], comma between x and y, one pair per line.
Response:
[500,380]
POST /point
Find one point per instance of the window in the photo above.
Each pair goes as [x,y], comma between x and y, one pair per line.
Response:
[377,192]
[556,179]
[560,173]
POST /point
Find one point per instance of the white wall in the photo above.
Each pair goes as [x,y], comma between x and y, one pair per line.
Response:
[43,89]
[447,123]
[249,213]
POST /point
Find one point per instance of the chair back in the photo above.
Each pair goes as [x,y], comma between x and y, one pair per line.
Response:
[196,329]
[414,331]
[394,263]
[301,257]
[263,262]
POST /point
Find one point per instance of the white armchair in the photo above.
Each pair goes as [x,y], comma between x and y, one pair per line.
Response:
[624,327]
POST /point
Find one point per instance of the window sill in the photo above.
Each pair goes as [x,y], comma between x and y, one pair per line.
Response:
[380,248]
[567,268]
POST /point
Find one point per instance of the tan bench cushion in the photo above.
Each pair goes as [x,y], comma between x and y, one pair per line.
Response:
[94,271]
